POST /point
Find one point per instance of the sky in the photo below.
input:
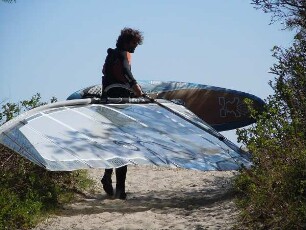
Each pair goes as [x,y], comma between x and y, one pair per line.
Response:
[58,47]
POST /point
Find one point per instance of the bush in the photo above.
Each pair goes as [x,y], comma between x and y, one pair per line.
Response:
[272,194]
[273,191]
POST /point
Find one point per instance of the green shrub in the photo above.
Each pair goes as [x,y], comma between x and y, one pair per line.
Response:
[273,191]
[28,192]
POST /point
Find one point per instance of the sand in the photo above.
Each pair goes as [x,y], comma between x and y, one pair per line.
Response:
[157,198]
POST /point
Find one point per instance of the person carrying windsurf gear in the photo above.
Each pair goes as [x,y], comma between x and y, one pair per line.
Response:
[118,81]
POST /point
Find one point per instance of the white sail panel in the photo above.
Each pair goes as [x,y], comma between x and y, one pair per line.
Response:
[112,135]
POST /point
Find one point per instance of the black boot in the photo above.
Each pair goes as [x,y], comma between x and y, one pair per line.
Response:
[107,182]
[120,182]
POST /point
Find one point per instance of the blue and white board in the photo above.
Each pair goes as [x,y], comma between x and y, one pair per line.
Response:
[79,134]
[223,109]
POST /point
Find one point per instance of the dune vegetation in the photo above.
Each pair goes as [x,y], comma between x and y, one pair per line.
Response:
[272,192]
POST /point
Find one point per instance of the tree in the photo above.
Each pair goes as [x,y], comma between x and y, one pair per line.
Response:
[276,183]
[290,84]
[273,191]
[293,12]
[11,110]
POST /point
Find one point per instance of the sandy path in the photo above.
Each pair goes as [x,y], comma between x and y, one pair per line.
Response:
[158,198]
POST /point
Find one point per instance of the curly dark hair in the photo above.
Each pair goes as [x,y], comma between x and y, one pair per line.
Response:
[128,34]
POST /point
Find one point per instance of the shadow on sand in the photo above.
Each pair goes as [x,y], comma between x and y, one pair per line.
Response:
[157,201]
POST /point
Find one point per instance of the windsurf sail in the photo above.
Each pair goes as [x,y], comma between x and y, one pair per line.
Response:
[110,133]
